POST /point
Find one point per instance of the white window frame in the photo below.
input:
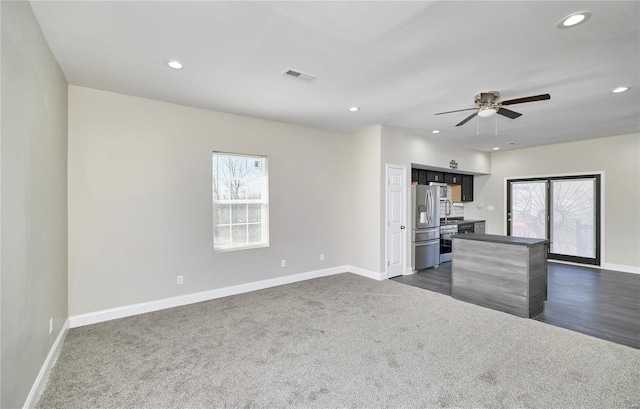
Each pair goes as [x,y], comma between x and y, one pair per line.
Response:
[263,201]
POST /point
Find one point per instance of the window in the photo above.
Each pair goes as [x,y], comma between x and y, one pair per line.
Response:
[240,201]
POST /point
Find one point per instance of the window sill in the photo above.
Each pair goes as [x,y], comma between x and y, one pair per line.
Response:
[237,248]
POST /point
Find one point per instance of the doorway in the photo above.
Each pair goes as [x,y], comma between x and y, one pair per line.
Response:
[564,209]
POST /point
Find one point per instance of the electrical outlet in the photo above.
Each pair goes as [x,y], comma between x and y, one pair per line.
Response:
[283,263]
[321,256]
[180,280]
[50,326]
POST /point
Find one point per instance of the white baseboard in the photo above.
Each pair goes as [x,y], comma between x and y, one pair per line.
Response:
[135,309]
[43,375]
[366,273]
[605,266]
[621,267]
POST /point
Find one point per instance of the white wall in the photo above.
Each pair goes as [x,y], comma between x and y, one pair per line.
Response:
[34,202]
[404,148]
[140,209]
[618,157]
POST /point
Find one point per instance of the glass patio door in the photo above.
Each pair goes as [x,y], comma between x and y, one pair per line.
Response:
[565,210]
[527,214]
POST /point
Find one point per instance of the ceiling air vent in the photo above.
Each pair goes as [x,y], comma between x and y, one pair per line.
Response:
[299,74]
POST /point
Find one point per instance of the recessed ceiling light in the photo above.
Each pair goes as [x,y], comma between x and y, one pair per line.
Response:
[354,109]
[574,19]
[436,131]
[496,148]
[619,90]
[175,64]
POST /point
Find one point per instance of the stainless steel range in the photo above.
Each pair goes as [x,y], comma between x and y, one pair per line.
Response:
[446,231]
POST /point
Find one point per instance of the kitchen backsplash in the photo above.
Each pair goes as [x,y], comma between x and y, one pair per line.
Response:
[457,210]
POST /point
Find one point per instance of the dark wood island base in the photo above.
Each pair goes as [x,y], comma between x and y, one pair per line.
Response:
[504,273]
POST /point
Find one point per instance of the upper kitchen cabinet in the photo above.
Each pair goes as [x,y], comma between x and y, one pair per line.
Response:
[467,188]
[419,176]
[435,176]
[414,175]
[452,179]
[423,177]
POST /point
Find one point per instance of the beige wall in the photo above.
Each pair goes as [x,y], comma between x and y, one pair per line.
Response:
[365,208]
[34,201]
[617,157]
[140,209]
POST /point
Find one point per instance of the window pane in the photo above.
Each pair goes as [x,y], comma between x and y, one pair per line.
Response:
[239,234]
[238,177]
[222,214]
[573,217]
[254,233]
[239,213]
[222,236]
[528,209]
[255,211]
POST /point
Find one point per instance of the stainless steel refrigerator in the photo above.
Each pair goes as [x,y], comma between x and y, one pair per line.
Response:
[425,228]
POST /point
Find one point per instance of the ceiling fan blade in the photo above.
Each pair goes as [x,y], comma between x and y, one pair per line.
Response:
[508,113]
[467,119]
[533,98]
[459,110]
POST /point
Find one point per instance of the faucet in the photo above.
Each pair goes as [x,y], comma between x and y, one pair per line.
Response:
[447,209]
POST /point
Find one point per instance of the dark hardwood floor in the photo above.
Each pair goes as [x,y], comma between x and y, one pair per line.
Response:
[601,303]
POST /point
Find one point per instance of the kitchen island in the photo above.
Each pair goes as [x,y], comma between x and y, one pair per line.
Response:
[504,273]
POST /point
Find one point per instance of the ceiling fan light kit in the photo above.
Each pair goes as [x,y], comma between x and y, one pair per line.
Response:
[487,112]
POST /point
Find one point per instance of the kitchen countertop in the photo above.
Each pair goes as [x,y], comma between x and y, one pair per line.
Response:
[493,238]
[455,221]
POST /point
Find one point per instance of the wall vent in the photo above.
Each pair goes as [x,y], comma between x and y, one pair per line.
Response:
[299,74]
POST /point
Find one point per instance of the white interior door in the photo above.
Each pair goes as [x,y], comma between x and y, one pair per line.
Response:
[396,220]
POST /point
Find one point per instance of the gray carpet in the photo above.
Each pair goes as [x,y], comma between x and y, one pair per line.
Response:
[334,342]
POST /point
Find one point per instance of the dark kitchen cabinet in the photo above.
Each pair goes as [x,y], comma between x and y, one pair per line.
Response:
[467,188]
[414,175]
[422,177]
[452,179]
[419,176]
[435,176]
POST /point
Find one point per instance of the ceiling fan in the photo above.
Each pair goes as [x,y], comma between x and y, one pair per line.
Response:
[487,105]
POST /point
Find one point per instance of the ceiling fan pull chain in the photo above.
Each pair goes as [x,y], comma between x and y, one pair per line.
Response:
[496,126]
[477,126]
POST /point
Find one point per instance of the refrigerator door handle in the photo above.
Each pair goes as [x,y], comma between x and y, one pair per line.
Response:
[429,193]
[426,204]
[432,205]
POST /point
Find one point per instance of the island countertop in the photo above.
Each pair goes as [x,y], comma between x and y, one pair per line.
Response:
[494,238]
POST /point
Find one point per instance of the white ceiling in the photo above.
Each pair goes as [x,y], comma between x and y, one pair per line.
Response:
[401,62]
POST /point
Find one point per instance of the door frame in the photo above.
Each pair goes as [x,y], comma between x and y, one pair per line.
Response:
[599,213]
[403,218]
